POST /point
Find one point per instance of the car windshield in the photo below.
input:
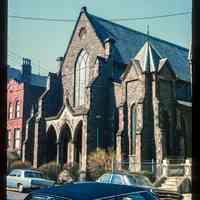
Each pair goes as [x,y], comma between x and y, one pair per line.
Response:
[33,174]
[140,180]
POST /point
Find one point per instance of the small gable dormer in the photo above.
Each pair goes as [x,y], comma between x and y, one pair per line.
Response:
[148,57]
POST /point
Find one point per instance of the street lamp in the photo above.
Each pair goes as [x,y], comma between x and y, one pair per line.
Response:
[98,117]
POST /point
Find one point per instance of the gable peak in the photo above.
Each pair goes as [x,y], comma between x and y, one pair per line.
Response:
[148,57]
[84,9]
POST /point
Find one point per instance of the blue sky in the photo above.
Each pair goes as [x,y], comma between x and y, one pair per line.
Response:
[42,41]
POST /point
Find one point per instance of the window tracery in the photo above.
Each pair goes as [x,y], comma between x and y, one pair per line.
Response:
[81,77]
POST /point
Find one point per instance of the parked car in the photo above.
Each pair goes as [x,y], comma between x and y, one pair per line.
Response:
[92,191]
[21,179]
[124,178]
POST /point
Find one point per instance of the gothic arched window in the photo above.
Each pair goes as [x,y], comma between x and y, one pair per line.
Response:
[81,77]
[133,129]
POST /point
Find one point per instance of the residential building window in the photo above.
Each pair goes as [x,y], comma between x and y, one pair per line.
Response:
[10,111]
[17,139]
[81,77]
[133,129]
[17,109]
[9,138]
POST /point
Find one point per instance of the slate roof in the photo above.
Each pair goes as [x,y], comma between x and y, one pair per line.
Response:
[128,42]
[36,80]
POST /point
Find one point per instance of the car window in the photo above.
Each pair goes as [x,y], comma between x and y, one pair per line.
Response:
[33,174]
[132,180]
[142,180]
[105,178]
[13,173]
[116,179]
[18,173]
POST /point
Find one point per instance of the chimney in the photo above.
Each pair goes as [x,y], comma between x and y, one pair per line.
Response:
[108,47]
[51,80]
[59,63]
[26,69]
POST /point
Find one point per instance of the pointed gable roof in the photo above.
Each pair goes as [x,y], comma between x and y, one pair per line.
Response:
[148,58]
[128,43]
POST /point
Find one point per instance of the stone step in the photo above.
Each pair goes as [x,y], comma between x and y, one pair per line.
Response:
[174,178]
[171,183]
[187,196]
[169,188]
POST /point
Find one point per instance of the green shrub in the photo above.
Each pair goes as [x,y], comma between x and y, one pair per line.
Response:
[18,164]
[51,170]
[99,162]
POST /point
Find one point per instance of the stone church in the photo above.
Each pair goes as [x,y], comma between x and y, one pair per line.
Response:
[116,87]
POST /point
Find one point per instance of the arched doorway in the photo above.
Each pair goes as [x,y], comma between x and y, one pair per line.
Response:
[64,139]
[78,144]
[51,146]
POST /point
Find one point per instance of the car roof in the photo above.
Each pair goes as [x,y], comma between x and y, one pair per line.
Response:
[89,190]
[124,173]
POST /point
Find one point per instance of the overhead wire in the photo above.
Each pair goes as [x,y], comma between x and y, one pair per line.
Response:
[74,20]
[115,19]
[21,57]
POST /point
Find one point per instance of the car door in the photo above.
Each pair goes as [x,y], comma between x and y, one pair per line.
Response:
[18,177]
[11,179]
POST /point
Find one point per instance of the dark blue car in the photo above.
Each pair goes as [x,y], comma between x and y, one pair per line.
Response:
[92,191]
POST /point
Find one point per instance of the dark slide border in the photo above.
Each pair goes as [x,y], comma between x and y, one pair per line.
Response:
[3,101]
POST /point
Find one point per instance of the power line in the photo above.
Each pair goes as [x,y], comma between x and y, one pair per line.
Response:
[21,57]
[115,19]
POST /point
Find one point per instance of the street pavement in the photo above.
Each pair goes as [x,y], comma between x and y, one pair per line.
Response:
[11,195]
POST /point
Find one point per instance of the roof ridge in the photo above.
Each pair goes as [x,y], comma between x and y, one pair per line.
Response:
[20,71]
[138,32]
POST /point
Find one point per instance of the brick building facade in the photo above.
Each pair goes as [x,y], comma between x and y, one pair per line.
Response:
[23,91]
[116,87]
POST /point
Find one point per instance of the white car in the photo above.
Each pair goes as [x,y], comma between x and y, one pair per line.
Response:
[21,179]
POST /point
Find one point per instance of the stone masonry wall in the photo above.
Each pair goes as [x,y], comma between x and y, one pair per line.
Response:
[91,44]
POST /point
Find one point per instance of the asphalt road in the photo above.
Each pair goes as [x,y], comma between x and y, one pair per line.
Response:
[11,195]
